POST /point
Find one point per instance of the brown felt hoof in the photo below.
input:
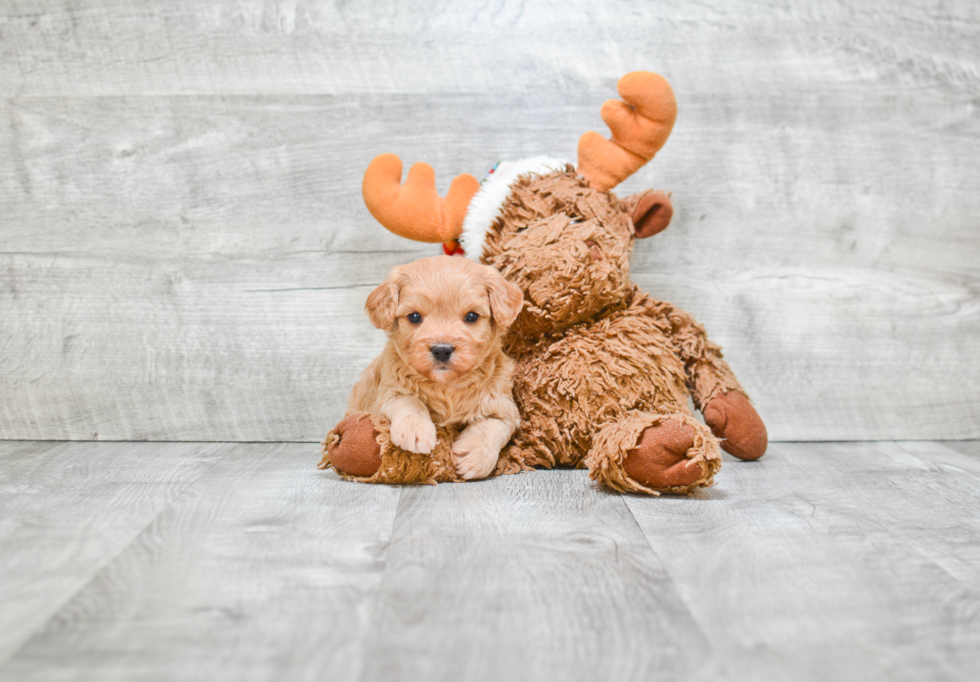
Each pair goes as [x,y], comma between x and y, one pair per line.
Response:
[733,419]
[357,453]
[660,457]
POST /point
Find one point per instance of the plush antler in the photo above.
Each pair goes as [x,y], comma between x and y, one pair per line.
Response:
[414,210]
[640,126]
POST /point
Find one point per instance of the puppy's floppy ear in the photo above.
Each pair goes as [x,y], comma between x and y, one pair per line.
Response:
[506,298]
[383,302]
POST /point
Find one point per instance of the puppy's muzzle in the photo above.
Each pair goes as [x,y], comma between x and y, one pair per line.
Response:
[441,352]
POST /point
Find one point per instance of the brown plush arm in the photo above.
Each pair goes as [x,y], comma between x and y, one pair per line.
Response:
[714,388]
[708,375]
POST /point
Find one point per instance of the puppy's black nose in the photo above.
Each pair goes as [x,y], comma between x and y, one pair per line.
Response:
[441,352]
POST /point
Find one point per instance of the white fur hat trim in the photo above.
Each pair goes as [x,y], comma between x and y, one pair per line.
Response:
[487,203]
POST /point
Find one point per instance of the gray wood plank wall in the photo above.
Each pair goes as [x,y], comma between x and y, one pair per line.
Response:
[184,253]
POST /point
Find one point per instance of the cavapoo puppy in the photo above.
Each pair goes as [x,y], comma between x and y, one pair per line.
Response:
[443,363]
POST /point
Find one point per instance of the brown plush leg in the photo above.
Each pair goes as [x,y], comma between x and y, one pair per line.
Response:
[354,450]
[360,448]
[651,453]
[733,419]
[660,458]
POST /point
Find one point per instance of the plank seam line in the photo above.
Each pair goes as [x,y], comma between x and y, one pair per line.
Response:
[624,497]
[101,567]
[267,291]
[376,596]
[907,542]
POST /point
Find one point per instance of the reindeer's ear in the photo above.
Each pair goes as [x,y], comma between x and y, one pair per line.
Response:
[506,298]
[383,302]
[650,212]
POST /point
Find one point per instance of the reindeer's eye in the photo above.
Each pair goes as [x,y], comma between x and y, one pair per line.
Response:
[414,318]
[471,317]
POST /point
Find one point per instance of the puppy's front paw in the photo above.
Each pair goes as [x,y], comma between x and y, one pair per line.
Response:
[414,435]
[475,458]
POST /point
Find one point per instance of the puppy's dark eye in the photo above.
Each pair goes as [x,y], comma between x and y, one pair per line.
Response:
[471,317]
[414,318]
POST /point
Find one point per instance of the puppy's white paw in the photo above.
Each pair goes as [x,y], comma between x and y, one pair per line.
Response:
[475,458]
[414,435]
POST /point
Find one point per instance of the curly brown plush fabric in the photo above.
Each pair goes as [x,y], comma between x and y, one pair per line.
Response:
[603,371]
[595,355]
[397,465]
[646,452]
[350,442]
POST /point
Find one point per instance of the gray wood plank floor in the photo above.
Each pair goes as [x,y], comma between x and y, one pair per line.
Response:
[165,561]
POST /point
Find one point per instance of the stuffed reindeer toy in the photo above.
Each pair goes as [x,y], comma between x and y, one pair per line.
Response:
[603,370]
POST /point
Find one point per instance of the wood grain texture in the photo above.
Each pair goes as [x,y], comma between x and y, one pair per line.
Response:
[831,561]
[968,454]
[535,576]
[184,252]
[112,47]
[822,561]
[66,510]
[263,570]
